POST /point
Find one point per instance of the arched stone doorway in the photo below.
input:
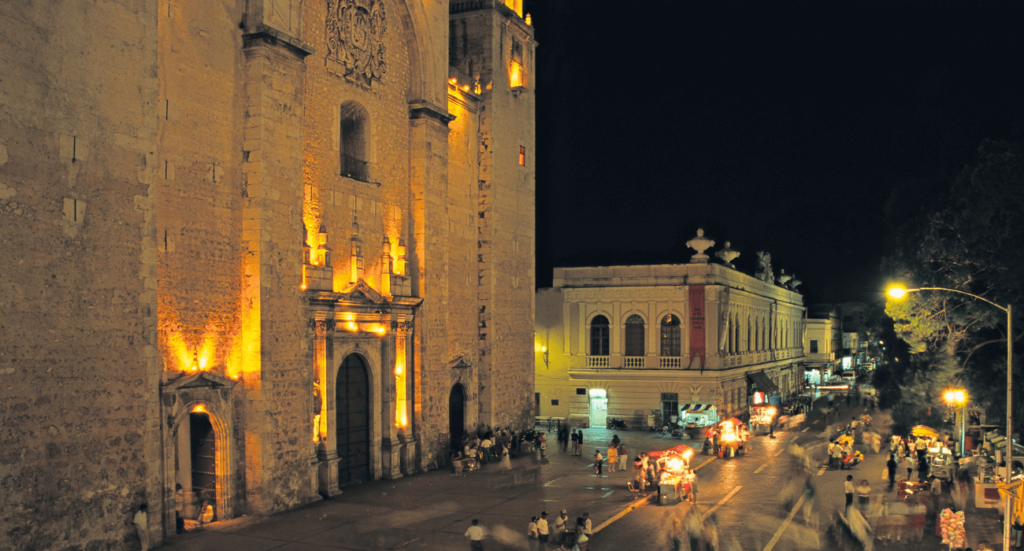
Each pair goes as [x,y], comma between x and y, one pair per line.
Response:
[456,416]
[199,467]
[352,399]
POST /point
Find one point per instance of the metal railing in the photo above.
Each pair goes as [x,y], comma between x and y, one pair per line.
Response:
[355,168]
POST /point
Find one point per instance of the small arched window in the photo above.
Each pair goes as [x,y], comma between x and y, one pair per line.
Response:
[671,336]
[599,336]
[634,335]
[354,142]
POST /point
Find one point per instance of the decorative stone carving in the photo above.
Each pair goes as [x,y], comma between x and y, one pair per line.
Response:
[793,283]
[727,255]
[700,244]
[355,39]
[764,268]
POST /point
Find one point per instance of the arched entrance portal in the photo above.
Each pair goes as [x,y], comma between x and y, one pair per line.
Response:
[353,421]
[204,459]
[456,416]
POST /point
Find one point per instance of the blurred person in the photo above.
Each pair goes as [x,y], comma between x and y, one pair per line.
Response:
[575,440]
[864,496]
[891,466]
[475,533]
[598,461]
[543,533]
[141,522]
[613,457]
[849,489]
[558,528]
[623,457]
[532,535]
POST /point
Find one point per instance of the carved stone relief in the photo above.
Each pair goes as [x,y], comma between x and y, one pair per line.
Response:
[355,39]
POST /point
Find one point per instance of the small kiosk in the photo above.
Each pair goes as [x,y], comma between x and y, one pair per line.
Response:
[672,467]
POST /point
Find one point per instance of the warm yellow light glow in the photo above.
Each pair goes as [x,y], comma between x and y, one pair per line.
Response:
[198,409]
[515,74]
[351,327]
[956,396]
[453,81]
[674,465]
[543,349]
[897,291]
[401,415]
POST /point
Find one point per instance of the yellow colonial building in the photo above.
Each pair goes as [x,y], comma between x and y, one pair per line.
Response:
[645,343]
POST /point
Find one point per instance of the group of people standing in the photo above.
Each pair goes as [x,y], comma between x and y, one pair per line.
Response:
[543,534]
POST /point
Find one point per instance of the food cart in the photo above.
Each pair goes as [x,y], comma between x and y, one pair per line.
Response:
[941,463]
[729,437]
[672,466]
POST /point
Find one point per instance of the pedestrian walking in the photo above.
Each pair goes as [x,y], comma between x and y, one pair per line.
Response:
[598,460]
[908,463]
[141,522]
[588,529]
[936,491]
[613,457]
[692,497]
[848,486]
[579,443]
[475,533]
[532,535]
[485,445]
[543,533]
[615,440]
[890,466]
[575,442]
[638,477]
[864,496]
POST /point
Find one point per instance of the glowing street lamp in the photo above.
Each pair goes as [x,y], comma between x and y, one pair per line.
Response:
[897,292]
[957,399]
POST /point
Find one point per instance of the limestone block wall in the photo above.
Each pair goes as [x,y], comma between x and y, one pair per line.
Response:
[78,365]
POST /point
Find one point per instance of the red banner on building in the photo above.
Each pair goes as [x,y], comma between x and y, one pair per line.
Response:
[697,346]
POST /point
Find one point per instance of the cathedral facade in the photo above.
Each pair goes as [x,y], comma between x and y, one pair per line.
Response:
[260,249]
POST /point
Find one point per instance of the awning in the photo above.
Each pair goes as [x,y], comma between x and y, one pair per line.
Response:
[696,407]
[764,384]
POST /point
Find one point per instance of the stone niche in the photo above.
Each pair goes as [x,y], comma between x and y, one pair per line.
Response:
[198,444]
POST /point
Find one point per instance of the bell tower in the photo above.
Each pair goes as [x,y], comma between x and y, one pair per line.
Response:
[492,50]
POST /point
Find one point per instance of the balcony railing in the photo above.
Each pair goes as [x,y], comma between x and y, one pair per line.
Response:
[667,362]
[597,361]
[633,362]
[355,168]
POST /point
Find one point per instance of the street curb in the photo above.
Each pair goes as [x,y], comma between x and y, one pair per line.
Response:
[638,504]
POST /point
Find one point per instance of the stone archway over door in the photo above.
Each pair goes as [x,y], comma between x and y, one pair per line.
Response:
[352,400]
[456,416]
[203,451]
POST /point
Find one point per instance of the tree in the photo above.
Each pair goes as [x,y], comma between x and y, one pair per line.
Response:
[970,239]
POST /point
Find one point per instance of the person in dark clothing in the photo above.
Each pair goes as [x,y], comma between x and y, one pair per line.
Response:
[891,466]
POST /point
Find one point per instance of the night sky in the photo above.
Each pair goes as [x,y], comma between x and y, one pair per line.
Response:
[810,130]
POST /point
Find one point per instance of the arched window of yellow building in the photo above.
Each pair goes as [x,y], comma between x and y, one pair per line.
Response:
[634,335]
[671,336]
[599,331]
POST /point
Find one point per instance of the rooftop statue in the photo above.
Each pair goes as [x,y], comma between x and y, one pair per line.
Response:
[764,268]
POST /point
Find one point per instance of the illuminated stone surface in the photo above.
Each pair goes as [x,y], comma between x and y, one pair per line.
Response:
[203,138]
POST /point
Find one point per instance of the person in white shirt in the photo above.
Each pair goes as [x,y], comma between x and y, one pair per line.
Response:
[542,530]
[485,446]
[475,533]
[586,524]
[141,522]
[849,491]
[532,535]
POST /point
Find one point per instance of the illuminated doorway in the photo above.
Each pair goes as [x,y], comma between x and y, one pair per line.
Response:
[456,416]
[598,408]
[204,460]
[353,421]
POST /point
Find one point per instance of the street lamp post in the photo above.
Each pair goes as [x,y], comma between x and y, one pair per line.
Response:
[954,398]
[898,292]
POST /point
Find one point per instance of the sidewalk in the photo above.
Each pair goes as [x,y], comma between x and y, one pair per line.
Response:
[433,510]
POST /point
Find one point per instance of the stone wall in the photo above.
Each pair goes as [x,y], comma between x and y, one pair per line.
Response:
[78,366]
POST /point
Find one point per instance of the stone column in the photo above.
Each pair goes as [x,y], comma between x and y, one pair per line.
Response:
[327,448]
[391,446]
